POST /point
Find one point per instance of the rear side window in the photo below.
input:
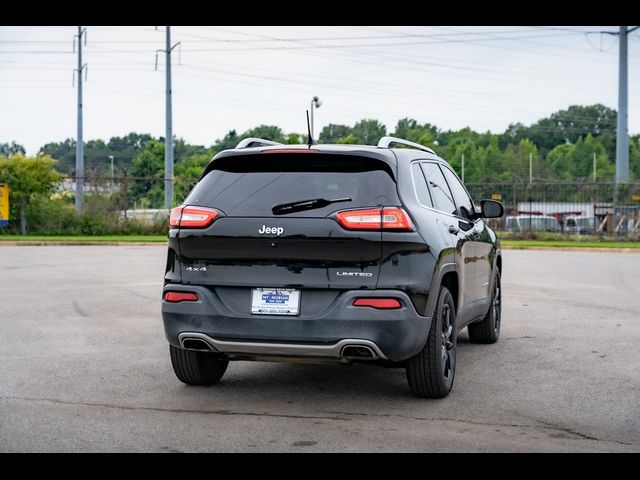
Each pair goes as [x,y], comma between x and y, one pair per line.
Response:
[422,191]
[253,185]
[442,198]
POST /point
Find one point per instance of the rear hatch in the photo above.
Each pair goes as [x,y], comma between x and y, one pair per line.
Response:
[265,236]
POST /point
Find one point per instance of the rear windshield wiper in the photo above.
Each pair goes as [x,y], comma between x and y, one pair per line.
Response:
[302,205]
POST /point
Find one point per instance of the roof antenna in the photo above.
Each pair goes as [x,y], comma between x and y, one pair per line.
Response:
[310,140]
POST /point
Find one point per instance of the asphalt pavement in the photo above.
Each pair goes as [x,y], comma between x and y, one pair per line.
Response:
[84,366]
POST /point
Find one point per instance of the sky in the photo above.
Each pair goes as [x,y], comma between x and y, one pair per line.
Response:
[238,77]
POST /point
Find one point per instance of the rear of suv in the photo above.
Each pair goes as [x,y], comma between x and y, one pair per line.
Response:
[326,252]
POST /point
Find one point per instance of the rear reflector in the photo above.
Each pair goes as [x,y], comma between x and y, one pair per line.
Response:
[379,303]
[388,218]
[177,297]
[192,217]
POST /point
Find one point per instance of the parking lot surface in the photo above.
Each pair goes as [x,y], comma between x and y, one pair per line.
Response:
[85,367]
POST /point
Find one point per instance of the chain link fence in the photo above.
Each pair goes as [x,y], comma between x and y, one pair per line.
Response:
[575,208]
[602,209]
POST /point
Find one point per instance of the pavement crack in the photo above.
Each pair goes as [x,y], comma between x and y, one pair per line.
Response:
[544,426]
[329,415]
[79,310]
[174,410]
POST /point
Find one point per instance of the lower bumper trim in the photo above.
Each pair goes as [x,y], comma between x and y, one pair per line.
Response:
[334,350]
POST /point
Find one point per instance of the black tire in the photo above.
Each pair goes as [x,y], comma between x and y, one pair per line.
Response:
[432,371]
[197,368]
[488,330]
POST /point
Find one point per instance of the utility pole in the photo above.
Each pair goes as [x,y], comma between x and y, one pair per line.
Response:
[622,131]
[622,141]
[168,140]
[463,168]
[530,168]
[594,167]
[79,141]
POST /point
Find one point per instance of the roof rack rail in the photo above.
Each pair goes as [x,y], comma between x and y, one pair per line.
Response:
[255,142]
[386,142]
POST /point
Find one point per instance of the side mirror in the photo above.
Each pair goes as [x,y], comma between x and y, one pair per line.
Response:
[491,209]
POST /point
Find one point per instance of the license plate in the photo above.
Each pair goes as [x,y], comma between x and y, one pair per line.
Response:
[275,301]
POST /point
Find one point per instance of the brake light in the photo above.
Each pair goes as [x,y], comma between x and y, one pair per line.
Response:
[177,297]
[379,303]
[291,150]
[192,217]
[388,218]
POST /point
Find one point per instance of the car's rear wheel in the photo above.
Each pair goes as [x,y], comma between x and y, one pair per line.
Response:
[488,330]
[197,368]
[431,372]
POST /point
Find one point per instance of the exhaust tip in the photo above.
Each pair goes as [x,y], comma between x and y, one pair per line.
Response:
[358,352]
[196,344]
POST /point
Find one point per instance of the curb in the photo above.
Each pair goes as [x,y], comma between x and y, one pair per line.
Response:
[572,249]
[28,243]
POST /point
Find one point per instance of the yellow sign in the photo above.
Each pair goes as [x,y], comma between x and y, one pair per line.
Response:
[4,204]
[496,196]
[635,197]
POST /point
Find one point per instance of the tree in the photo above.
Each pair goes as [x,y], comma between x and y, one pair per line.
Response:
[369,131]
[8,149]
[565,126]
[97,152]
[350,139]
[147,170]
[187,173]
[411,130]
[582,161]
[294,139]
[559,160]
[229,141]
[28,177]
[64,152]
[332,132]
[183,149]
[634,157]
[267,132]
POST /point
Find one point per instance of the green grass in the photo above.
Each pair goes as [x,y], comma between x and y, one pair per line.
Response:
[83,238]
[568,244]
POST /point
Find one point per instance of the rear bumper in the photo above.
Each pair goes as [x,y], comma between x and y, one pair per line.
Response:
[395,335]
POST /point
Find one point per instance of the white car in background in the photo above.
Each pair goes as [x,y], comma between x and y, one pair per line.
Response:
[532,223]
[580,225]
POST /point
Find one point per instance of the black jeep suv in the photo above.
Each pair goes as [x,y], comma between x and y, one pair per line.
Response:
[342,252]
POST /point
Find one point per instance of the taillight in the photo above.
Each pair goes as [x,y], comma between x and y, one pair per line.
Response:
[177,297]
[388,218]
[379,303]
[192,217]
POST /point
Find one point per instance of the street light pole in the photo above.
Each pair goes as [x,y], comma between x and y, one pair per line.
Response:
[111,158]
[315,101]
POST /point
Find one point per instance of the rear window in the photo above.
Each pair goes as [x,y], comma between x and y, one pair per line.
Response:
[252,186]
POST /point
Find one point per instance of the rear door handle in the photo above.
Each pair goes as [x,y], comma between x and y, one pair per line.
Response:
[453,229]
